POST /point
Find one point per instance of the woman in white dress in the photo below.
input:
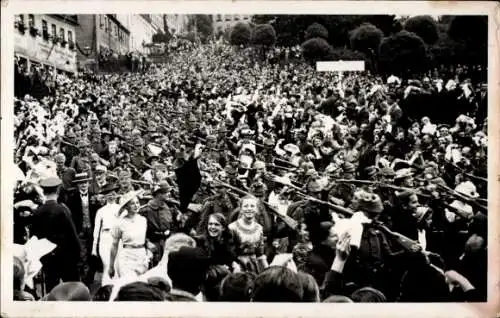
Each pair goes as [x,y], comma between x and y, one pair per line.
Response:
[130,230]
[105,221]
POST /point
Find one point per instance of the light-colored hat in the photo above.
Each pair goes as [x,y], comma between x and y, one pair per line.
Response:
[467,188]
[403,173]
[127,197]
[293,149]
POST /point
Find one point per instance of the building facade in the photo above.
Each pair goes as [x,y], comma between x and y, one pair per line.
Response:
[224,22]
[98,34]
[142,29]
[47,40]
[176,23]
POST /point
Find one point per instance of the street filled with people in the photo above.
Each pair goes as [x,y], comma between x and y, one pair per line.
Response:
[222,176]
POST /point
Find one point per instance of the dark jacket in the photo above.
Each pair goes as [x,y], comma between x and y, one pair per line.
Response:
[53,222]
[74,203]
[319,262]
[220,252]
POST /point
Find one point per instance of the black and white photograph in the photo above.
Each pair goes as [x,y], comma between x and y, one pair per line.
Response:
[249,158]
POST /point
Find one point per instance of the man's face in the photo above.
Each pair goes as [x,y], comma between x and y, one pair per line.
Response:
[83,187]
[408,182]
[332,238]
[413,203]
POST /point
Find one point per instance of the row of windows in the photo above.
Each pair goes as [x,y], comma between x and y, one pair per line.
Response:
[45,28]
[110,27]
[230,17]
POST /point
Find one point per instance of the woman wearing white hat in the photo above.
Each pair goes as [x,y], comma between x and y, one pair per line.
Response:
[130,229]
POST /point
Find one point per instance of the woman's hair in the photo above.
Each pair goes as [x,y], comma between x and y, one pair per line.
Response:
[368,295]
[237,287]
[338,299]
[278,284]
[178,240]
[248,197]
[220,218]
[103,293]
[212,286]
[140,291]
[310,288]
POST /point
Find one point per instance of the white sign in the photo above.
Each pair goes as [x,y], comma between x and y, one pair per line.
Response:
[340,66]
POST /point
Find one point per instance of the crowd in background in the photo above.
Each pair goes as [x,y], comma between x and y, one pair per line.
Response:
[221,177]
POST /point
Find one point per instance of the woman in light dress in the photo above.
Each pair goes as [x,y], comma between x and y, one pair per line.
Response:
[248,237]
[130,230]
[105,221]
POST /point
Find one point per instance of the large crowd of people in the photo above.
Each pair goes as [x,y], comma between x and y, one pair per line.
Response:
[222,177]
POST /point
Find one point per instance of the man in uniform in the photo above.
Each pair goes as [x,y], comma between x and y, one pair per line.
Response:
[53,221]
[162,221]
[222,202]
[83,152]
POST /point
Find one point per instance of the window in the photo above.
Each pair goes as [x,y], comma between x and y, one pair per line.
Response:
[106,24]
[228,17]
[70,36]
[236,17]
[20,18]
[62,35]
[101,22]
[54,30]
[31,21]
[116,31]
[45,30]
[219,17]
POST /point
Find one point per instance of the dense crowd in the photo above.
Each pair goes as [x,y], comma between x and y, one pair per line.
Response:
[221,177]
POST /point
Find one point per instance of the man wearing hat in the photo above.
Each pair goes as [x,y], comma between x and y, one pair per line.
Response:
[64,173]
[162,221]
[53,221]
[370,262]
[344,191]
[138,157]
[69,150]
[156,174]
[83,206]
[83,152]
[305,210]
[222,202]
[404,178]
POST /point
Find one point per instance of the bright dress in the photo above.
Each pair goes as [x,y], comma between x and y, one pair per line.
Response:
[133,259]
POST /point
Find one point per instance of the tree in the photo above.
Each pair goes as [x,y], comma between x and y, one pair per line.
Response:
[403,53]
[202,24]
[472,32]
[240,34]
[446,51]
[316,30]
[161,38]
[424,26]
[366,38]
[264,34]
[343,54]
[316,49]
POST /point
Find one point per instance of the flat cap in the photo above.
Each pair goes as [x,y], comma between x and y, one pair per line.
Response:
[50,182]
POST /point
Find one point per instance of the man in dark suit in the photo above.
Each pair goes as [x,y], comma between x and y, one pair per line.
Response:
[64,173]
[83,205]
[53,222]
